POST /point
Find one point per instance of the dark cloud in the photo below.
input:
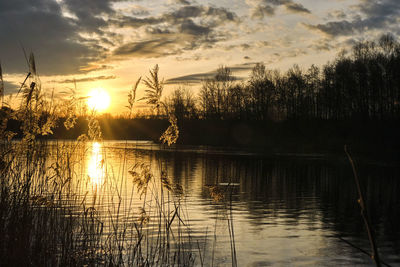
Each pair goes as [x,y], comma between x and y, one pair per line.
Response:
[197,78]
[189,27]
[260,11]
[296,8]
[222,14]
[184,13]
[149,48]
[88,13]
[262,8]
[335,28]
[372,15]
[87,79]
[182,2]
[42,28]
[136,22]
[378,9]
[191,78]
[95,67]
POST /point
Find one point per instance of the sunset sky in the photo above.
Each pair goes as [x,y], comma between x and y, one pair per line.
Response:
[111,43]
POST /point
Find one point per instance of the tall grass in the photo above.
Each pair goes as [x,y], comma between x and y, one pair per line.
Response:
[49,215]
[54,213]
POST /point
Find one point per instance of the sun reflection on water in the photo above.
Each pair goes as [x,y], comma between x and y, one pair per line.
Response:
[96,170]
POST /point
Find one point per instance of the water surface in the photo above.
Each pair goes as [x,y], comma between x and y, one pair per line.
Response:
[287,209]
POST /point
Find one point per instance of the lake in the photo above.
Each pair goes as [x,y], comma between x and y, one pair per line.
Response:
[267,209]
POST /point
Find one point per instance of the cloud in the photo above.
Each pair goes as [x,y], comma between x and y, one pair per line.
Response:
[197,78]
[11,88]
[74,36]
[243,67]
[133,10]
[87,79]
[263,8]
[195,57]
[191,78]
[264,44]
[296,8]
[184,13]
[337,14]
[187,28]
[321,45]
[158,30]
[95,67]
[371,15]
[149,48]
[181,2]
[42,28]
[260,11]
[335,28]
[208,14]
[89,13]
[135,22]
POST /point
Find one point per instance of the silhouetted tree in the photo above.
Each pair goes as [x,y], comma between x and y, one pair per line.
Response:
[364,85]
[182,104]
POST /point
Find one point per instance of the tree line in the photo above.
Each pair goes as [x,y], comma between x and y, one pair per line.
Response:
[361,85]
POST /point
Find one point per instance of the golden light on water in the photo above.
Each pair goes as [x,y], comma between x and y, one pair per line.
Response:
[98,100]
[96,170]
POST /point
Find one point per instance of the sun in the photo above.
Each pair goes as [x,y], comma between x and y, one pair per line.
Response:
[98,100]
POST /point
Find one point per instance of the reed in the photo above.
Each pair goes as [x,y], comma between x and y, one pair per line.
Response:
[53,214]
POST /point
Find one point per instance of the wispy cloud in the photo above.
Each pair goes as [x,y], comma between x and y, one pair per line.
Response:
[336,28]
[262,8]
[197,78]
[149,48]
[86,79]
[191,78]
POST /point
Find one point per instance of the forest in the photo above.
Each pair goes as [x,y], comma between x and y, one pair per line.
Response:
[361,85]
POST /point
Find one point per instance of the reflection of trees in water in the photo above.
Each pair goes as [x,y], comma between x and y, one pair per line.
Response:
[304,190]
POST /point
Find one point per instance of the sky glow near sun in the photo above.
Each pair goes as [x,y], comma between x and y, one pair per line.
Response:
[98,100]
[110,44]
